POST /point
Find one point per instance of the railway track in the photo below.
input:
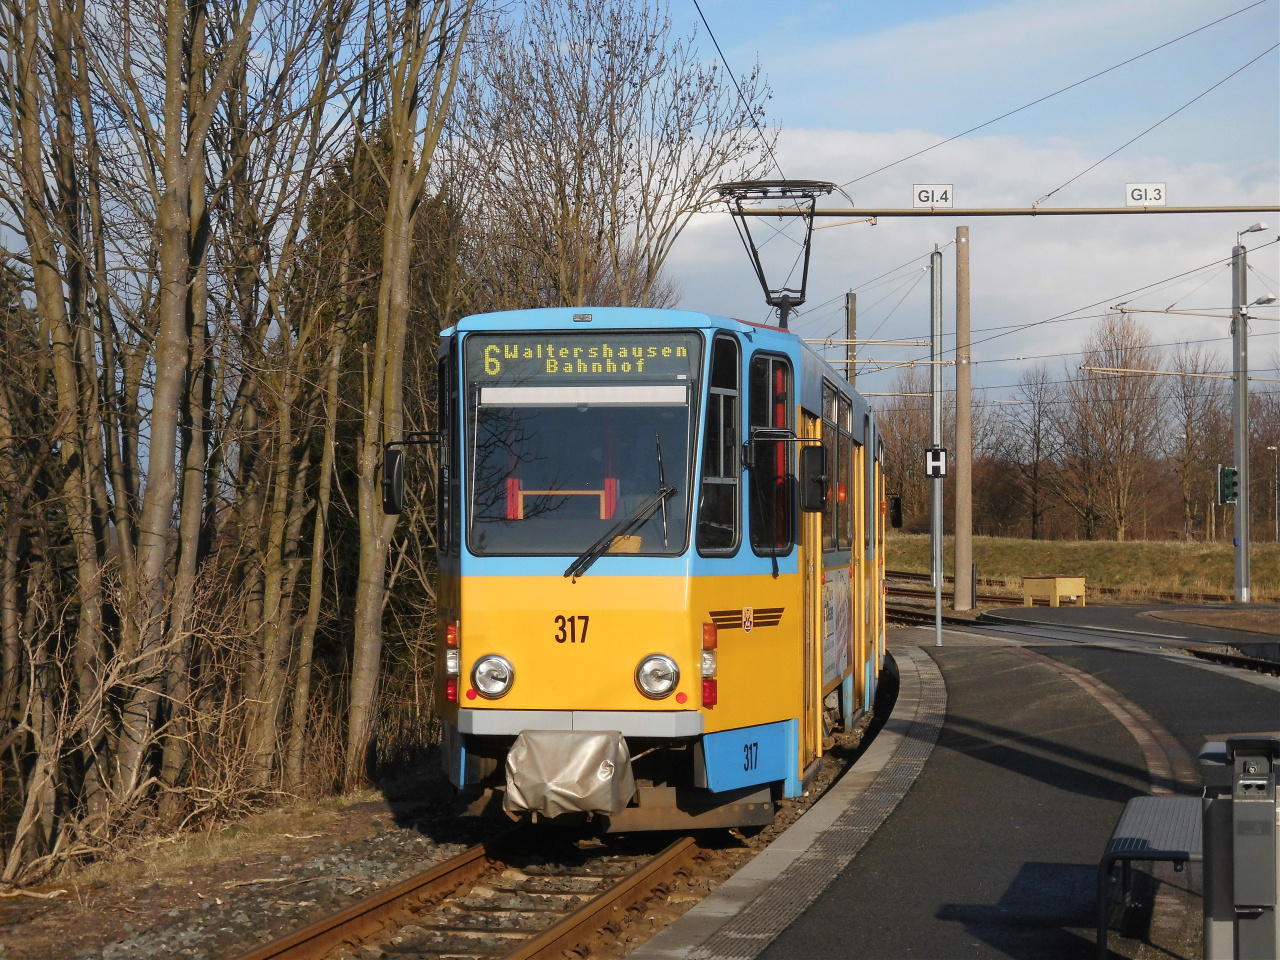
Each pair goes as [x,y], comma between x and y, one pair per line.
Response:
[1163,596]
[1235,660]
[508,898]
[920,617]
[927,594]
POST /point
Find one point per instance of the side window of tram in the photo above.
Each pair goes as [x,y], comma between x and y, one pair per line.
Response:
[842,492]
[448,486]
[769,406]
[443,512]
[830,440]
[718,510]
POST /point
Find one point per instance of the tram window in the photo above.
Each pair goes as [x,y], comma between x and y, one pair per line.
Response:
[718,510]
[830,440]
[870,453]
[843,493]
[769,406]
[448,488]
[442,455]
[571,434]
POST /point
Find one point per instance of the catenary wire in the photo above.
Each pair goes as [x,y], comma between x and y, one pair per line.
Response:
[741,99]
[1055,93]
[1074,314]
[1157,123]
[1068,315]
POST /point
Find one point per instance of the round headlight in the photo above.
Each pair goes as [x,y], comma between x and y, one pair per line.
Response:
[657,676]
[492,676]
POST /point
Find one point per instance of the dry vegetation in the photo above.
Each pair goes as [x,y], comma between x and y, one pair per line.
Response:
[1138,568]
[235,234]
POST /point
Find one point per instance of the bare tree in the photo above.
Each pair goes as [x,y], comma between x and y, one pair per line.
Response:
[598,136]
[1030,417]
[1195,403]
[423,44]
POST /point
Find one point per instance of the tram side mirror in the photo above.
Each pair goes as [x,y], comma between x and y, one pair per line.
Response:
[393,481]
[813,478]
[895,512]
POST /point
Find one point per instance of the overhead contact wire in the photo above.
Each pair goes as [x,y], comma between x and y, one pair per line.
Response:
[1048,96]
[1157,123]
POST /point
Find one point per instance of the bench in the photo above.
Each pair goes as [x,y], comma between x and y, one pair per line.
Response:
[1151,828]
[1052,589]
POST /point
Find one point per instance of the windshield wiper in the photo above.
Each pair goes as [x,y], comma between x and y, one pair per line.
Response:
[627,524]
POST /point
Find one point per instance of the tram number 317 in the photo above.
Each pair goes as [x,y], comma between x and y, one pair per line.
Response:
[750,756]
[571,629]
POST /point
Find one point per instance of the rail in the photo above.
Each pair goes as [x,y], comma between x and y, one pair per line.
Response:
[1234,660]
[541,921]
[1165,595]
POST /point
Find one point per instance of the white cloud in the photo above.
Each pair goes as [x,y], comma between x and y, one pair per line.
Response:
[1023,269]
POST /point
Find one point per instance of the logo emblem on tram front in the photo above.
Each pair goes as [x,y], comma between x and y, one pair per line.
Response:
[747,619]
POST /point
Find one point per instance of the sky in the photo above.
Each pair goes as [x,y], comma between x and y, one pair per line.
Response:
[857,85]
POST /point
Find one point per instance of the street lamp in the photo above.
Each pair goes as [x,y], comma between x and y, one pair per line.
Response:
[1275,489]
[1256,228]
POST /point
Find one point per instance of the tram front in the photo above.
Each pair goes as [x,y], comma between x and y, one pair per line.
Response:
[563,579]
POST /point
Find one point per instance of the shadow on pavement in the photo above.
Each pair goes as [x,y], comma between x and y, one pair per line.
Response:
[995,744]
[1048,911]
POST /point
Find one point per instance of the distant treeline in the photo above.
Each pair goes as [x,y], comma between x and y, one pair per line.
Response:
[1074,454]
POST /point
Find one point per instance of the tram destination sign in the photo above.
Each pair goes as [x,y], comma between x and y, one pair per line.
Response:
[605,357]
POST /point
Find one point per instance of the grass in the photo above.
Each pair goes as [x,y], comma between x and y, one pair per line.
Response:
[1137,568]
[257,833]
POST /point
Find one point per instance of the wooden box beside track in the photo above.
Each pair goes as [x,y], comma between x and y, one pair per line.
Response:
[1052,589]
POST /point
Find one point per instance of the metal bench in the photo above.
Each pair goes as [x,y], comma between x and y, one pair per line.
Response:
[1151,828]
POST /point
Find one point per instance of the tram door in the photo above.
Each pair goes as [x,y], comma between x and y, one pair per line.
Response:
[810,558]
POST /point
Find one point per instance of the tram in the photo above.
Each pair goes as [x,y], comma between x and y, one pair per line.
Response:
[660,564]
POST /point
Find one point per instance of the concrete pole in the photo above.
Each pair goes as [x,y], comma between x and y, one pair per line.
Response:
[964,599]
[935,433]
[1240,415]
[850,335]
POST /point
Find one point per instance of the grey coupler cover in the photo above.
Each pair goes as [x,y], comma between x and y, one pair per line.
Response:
[569,771]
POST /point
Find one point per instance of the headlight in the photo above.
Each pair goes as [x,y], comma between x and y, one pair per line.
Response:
[492,676]
[657,676]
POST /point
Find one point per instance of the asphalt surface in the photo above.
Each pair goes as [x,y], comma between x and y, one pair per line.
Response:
[1136,620]
[993,852]
[1192,703]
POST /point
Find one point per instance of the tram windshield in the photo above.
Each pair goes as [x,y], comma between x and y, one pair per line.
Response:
[570,433]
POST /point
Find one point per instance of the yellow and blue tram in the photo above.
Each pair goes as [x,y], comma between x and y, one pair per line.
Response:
[660,564]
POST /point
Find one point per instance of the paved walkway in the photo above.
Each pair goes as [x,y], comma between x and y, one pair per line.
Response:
[992,850]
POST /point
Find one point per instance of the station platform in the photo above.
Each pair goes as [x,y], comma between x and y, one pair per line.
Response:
[973,825]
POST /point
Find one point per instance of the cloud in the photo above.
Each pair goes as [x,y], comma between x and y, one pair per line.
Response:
[1023,269]
[954,71]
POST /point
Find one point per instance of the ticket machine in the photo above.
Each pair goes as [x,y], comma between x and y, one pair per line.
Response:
[1241,844]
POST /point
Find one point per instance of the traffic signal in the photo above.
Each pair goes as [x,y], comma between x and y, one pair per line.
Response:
[1228,484]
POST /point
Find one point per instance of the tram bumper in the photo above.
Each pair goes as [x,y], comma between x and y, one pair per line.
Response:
[551,772]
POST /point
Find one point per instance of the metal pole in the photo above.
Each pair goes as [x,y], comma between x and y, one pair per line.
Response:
[862,213]
[851,334]
[1240,416]
[965,596]
[935,434]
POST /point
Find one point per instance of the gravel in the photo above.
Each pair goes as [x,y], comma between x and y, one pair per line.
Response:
[292,892]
